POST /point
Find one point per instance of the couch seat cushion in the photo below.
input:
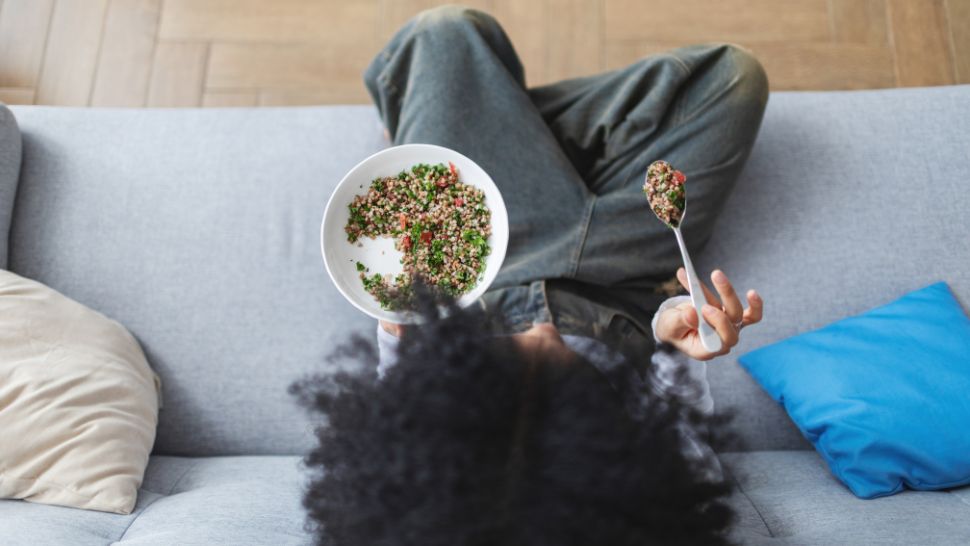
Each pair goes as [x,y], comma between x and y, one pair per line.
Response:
[185,501]
[799,502]
[784,497]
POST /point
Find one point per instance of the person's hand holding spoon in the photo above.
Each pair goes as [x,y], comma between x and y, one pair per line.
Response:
[678,325]
[724,318]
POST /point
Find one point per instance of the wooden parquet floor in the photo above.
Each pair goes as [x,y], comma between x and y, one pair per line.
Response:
[287,52]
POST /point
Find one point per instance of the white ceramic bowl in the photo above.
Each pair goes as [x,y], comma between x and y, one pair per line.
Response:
[379,255]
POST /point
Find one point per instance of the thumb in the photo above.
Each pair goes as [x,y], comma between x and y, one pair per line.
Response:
[679,321]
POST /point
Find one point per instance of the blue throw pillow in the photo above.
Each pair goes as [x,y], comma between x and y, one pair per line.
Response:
[884,396]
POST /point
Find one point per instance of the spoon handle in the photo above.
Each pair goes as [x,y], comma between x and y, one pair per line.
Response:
[709,337]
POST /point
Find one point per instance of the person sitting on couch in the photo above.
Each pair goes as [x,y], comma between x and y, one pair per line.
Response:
[469,437]
[563,432]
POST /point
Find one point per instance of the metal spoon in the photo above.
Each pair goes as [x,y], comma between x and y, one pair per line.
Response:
[662,182]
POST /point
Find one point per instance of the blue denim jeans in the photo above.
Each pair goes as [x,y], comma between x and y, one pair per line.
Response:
[570,158]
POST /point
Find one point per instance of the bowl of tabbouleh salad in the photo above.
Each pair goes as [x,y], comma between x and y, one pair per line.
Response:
[416,211]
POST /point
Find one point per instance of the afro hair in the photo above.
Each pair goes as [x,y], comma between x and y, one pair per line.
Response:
[465,441]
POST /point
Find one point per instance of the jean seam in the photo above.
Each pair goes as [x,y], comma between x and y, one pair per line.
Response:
[734,81]
[680,62]
[584,234]
[677,117]
[545,302]
[384,80]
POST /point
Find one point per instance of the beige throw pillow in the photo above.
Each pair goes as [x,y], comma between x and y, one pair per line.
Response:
[78,402]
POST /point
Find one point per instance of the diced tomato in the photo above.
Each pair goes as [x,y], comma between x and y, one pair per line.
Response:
[406,242]
[459,201]
[426,237]
[404,221]
[451,167]
[442,182]
[679,177]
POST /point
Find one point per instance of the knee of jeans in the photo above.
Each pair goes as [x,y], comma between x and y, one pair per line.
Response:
[443,19]
[745,74]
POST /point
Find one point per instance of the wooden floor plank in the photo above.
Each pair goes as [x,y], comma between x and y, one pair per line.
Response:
[178,74]
[958,18]
[16,95]
[525,25]
[348,22]
[921,42]
[792,66]
[721,20]
[573,42]
[72,52]
[860,21]
[394,13]
[229,98]
[314,96]
[247,66]
[23,35]
[818,66]
[127,50]
[287,52]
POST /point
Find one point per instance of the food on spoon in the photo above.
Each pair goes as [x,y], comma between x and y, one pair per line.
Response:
[665,192]
[441,224]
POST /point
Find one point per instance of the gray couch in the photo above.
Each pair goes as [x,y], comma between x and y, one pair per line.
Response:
[198,230]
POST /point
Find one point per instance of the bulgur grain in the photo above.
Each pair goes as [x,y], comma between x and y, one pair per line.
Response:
[665,192]
[439,223]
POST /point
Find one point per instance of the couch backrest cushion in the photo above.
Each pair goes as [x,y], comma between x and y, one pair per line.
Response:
[849,201]
[199,231]
[9,174]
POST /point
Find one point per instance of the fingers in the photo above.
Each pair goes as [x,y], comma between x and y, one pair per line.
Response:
[394,329]
[688,315]
[729,298]
[678,326]
[708,295]
[755,310]
[723,325]
[677,323]
[723,312]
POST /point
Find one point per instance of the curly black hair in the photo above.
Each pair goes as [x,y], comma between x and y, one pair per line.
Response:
[466,441]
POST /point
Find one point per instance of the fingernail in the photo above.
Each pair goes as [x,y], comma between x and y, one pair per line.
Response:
[753,294]
[719,276]
[708,309]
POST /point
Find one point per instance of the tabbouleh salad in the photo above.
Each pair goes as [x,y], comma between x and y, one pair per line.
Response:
[440,224]
[665,192]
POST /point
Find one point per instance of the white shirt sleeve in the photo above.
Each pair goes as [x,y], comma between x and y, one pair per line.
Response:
[386,351]
[692,389]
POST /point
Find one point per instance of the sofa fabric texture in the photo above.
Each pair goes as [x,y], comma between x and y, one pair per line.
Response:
[783,498]
[849,200]
[78,402]
[198,229]
[212,216]
[10,148]
[790,497]
[183,501]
